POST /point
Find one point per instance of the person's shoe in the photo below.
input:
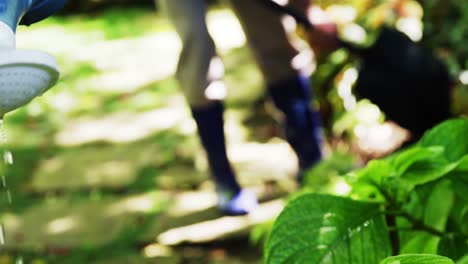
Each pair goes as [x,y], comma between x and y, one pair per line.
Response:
[241,203]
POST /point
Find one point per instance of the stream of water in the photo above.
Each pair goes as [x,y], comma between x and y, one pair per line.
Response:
[7,161]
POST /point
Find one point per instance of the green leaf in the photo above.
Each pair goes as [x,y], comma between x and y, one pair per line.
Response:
[439,205]
[453,246]
[462,164]
[375,172]
[436,212]
[459,177]
[420,242]
[406,158]
[459,215]
[452,135]
[417,259]
[317,228]
[463,260]
[421,165]
[427,171]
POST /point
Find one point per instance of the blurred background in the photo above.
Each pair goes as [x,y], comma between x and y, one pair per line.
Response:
[106,165]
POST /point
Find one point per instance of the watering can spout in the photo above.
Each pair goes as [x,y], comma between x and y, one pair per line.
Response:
[24,75]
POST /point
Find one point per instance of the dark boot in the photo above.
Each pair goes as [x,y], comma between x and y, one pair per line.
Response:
[302,124]
[232,200]
[41,9]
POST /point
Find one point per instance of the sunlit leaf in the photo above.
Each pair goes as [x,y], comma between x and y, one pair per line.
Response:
[375,172]
[417,259]
[316,228]
[453,246]
[463,260]
[421,165]
[406,158]
[437,208]
[452,135]
[420,242]
[438,205]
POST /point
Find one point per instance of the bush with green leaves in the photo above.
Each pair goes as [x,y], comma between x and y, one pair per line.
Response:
[412,202]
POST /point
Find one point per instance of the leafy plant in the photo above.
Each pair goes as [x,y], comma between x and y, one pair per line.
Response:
[417,259]
[413,202]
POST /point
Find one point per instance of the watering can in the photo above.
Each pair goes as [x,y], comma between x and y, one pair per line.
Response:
[24,74]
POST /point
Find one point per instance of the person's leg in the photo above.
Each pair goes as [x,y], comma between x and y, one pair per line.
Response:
[193,72]
[302,124]
[41,9]
[287,86]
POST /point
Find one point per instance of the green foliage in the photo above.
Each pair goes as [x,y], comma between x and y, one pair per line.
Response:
[421,190]
[312,229]
[445,27]
[450,135]
[417,259]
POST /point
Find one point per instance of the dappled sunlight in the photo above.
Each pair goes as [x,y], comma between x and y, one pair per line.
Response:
[380,138]
[216,90]
[225,30]
[216,69]
[138,204]
[62,101]
[190,202]
[342,187]
[61,225]
[120,127]
[354,33]
[187,127]
[234,130]
[157,250]
[350,76]
[464,77]
[222,227]
[411,26]
[56,39]
[205,231]
[256,162]
[303,62]
[114,173]
[112,166]
[368,114]
[341,14]
[153,58]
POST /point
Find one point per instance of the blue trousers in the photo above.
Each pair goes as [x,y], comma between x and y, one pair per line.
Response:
[27,12]
[40,10]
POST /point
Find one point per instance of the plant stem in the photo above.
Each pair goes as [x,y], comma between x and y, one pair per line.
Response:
[420,225]
[393,233]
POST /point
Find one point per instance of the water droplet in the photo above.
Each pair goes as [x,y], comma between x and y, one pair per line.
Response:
[2,237]
[10,200]
[327,215]
[321,247]
[8,157]
[19,260]
[327,229]
[366,224]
